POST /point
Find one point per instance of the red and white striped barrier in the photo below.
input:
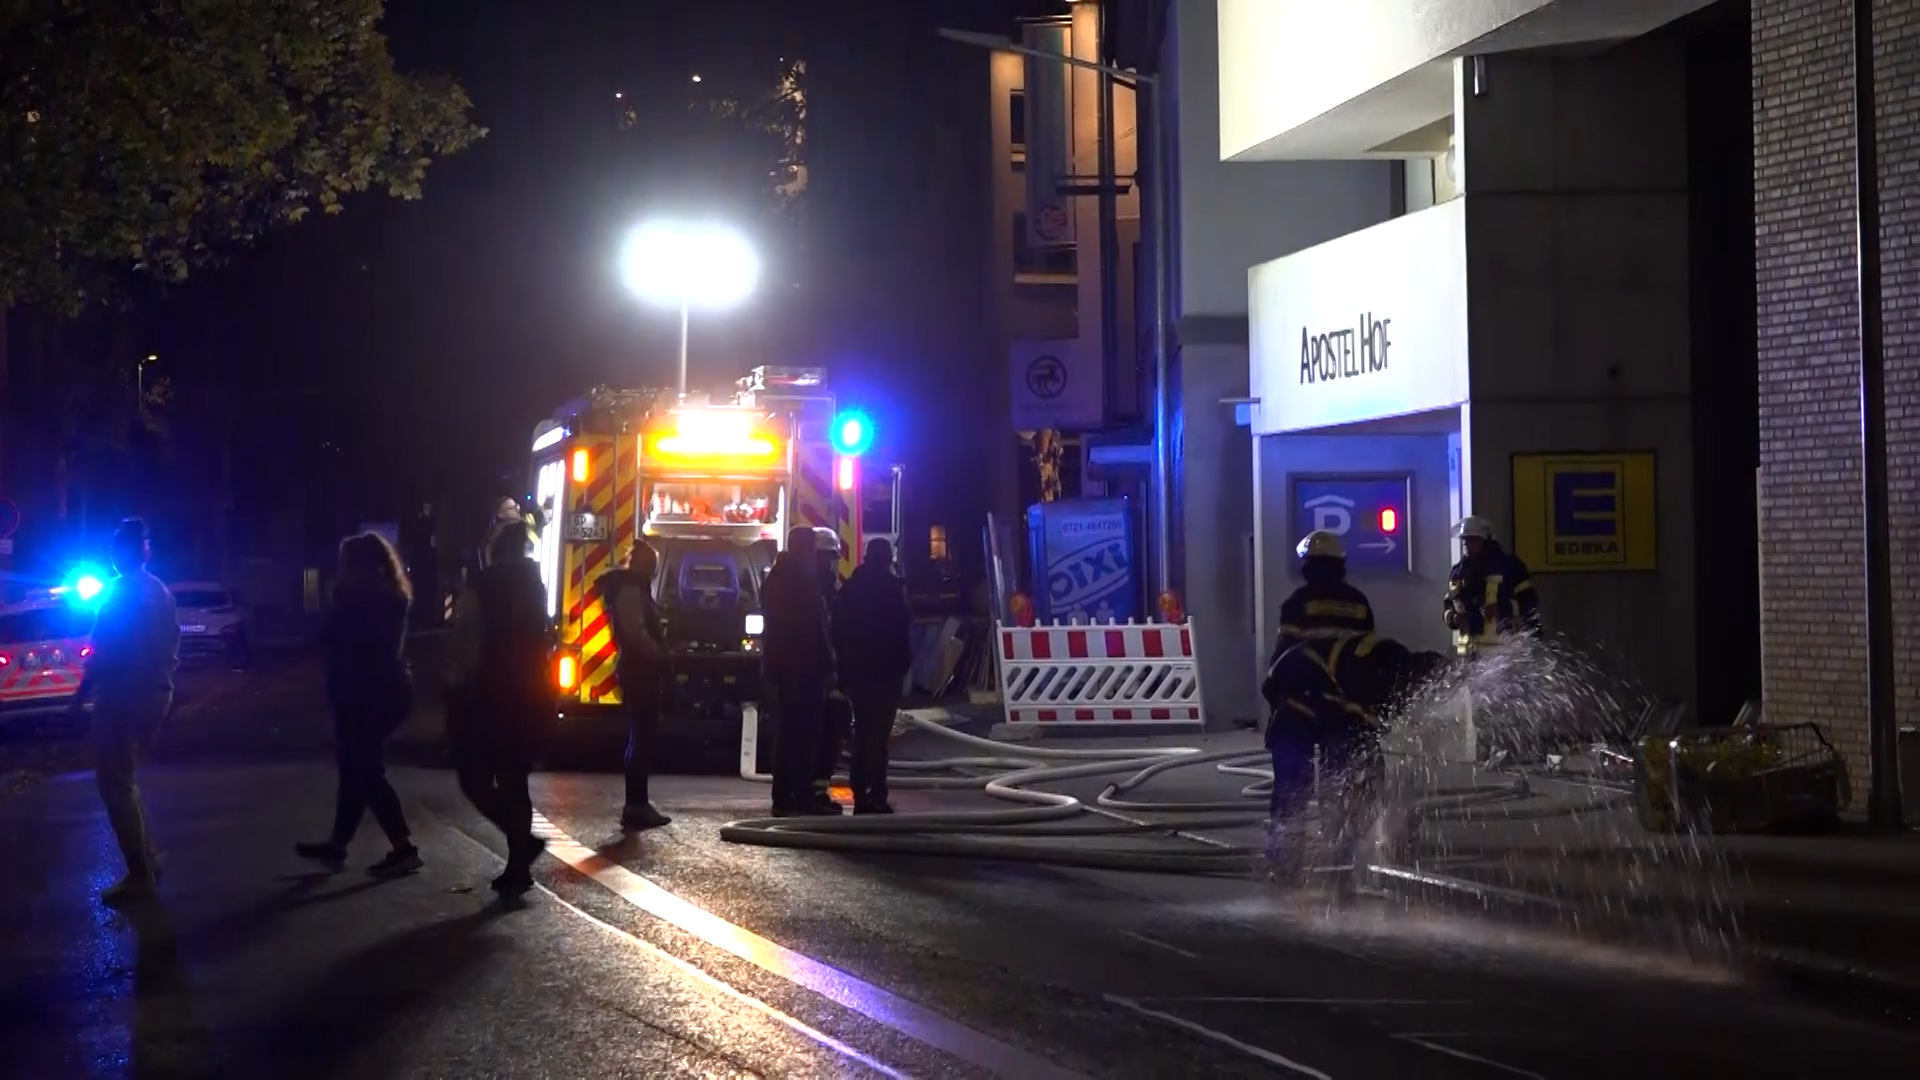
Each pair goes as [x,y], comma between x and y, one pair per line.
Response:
[1112,674]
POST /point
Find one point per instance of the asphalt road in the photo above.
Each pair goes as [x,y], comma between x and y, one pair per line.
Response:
[674,953]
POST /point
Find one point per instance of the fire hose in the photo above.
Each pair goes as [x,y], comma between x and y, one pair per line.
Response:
[1050,827]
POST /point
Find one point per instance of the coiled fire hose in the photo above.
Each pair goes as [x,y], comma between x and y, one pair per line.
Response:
[1049,826]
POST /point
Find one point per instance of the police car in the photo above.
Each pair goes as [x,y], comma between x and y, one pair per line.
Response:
[44,645]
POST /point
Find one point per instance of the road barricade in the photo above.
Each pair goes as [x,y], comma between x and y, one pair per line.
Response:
[1102,674]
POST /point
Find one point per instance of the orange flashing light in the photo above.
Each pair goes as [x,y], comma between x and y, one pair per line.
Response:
[566,672]
[695,446]
[846,474]
[714,436]
[580,466]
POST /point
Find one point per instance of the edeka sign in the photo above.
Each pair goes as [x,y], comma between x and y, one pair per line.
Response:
[1369,326]
[1329,356]
[1057,385]
[1585,512]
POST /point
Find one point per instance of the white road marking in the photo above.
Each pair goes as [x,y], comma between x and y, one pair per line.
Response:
[710,982]
[1208,1033]
[1161,944]
[1347,1002]
[1424,1040]
[877,1004]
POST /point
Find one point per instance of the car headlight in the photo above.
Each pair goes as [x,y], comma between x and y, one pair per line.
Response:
[756,625]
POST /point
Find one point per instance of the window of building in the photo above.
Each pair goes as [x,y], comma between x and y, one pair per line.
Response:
[1028,259]
[1017,119]
[936,543]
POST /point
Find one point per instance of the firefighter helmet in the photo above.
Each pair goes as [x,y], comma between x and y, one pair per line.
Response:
[1321,544]
[1474,527]
[828,539]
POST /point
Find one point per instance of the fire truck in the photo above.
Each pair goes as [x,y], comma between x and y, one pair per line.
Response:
[714,484]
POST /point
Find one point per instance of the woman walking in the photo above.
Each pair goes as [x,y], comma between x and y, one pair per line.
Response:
[371,692]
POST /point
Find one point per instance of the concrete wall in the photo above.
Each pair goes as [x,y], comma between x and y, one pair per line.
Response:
[1228,217]
[1234,215]
[1574,171]
[1406,607]
[1286,62]
[1813,598]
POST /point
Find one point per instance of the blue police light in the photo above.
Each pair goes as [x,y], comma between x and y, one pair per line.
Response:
[83,586]
[852,433]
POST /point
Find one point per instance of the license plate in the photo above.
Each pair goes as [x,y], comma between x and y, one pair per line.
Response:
[193,628]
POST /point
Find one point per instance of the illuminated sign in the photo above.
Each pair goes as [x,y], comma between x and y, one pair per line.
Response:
[1584,512]
[1335,355]
[1367,513]
[1368,326]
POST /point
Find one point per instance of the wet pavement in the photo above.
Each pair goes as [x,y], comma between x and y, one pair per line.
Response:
[674,953]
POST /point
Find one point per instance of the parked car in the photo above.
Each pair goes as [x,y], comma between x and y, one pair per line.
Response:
[213,623]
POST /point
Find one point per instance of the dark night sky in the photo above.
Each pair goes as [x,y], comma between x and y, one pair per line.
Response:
[429,337]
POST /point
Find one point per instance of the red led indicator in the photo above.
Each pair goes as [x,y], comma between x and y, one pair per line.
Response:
[1389,519]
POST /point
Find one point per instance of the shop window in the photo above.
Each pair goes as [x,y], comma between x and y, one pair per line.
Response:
[937,543]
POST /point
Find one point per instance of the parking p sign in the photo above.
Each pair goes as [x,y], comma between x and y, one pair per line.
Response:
[1370,515]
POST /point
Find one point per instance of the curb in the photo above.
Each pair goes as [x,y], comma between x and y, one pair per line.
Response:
[1832,984]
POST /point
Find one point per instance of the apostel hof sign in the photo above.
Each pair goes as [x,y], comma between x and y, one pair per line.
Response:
[1368,326]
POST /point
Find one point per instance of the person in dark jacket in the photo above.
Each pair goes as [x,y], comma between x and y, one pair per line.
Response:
[371,692]
[1326,606]
[640,650]
[871,630]
[129,680]
[836,725]
[501,704]
[797,662]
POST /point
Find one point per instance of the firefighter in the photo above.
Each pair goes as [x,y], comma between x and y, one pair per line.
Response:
[1489,594]
[1332,693]
[837,727]
[1326,606]
[508,512]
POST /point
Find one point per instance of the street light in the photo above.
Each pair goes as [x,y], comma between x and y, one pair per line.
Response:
[140,383]
[689,266]
[1162,265]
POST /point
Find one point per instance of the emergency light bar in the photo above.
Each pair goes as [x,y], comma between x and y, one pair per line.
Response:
[716,435]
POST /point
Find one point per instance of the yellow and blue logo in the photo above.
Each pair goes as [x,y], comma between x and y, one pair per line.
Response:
[1592,512]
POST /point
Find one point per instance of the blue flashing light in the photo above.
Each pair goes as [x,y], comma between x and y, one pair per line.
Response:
[87,587]
[852,433]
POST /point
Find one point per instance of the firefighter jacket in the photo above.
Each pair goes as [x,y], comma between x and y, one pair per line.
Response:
[1336,689]
[1490,598]
[1322,611]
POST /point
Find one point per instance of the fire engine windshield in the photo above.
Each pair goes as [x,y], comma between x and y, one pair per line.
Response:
[712,503]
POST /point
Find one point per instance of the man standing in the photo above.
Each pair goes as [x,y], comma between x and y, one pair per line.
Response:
[640,650]
[797,662]
[129,679]
[836,725]
[871,630]
[501,705]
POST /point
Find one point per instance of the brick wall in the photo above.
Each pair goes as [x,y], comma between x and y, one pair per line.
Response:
[1812,604]
[1896,27]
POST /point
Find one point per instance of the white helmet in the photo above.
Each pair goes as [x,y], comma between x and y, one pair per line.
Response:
[829,540]
[1321,544]
[1474,527]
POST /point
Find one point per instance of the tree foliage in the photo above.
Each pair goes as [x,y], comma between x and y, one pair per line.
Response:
[156,135]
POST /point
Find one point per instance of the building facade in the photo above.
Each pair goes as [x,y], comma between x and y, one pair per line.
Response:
[1616,307]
